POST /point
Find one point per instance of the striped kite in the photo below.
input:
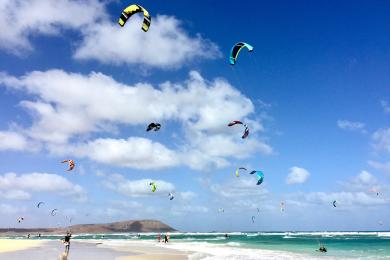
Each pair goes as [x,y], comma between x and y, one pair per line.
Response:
[133,9]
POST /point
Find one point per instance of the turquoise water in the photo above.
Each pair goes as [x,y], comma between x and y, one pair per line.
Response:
[363,245]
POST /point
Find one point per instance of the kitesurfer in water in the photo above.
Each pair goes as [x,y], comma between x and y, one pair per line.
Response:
[322,249]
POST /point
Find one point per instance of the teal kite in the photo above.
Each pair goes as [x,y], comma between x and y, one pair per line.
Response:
[236,50]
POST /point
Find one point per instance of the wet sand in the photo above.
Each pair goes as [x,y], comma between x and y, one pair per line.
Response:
[90,249]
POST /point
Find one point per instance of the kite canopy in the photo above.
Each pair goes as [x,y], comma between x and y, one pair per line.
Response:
[253,219]
[246,129]
[236,50]
[155,126]
[221,210]
[133,9]
[282,206]
[171,197]
[334,203]
[40,203]
[20,219]
[260,176]
[70,163]
[153,186]
[238,171]
[54,212]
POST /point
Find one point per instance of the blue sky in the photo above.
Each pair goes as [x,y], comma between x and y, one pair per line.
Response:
[315,94]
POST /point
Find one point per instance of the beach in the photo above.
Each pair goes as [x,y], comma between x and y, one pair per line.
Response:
[89,249]
[208,246]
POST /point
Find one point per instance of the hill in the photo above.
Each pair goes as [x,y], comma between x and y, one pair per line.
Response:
[129,226]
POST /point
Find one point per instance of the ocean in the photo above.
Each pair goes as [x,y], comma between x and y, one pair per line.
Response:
[260,245]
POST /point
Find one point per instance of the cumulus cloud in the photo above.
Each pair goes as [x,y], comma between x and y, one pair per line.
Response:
[45,17]
[165,45]
[297,175]
[350,125]
[14,186]
[385,166]
[358,192]
[69,106]
[134,152]
[343,199]
[362,182]
[381,140]
[137,188]
[13,141]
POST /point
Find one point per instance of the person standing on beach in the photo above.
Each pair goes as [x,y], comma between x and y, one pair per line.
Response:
[67,242]
[159,237]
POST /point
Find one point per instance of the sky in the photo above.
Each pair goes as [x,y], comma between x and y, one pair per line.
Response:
[314,93]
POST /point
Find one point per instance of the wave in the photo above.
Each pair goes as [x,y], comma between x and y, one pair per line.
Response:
[232,251]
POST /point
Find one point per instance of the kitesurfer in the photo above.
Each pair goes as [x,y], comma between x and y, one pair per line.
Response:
[322,249]
[66,242]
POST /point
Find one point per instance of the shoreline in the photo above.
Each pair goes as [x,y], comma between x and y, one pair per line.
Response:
[88,249]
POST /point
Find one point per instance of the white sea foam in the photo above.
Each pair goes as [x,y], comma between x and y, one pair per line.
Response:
[207,251]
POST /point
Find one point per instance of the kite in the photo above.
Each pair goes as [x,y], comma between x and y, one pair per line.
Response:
[236,50]
[260,176]
[334,203]
[221,210]
[375,190]
[155,126]
[282,206]
[171,197]
[238,171]
[246,129]
[253,219]
[258,210]
[20,219]
[40,203]
[54,212]
[70,163]
[133,9]
[153,186]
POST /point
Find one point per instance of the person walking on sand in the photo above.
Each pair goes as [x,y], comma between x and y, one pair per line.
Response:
[159,237]
[67,242]
[166,238]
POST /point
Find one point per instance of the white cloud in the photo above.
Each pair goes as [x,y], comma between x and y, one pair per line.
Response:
[380,166]
[350,125]
[364,181]
[344,199]
[381,140]
[13,141]
[15,195]
[134,152]
[165,45]
[13,186]
[137,188]
[297,175]
[71,105]
[385,105]
[20,19]
[365,178]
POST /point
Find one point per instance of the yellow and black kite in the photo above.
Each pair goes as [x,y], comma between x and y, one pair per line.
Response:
[133,9]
